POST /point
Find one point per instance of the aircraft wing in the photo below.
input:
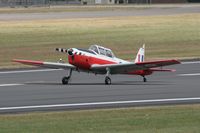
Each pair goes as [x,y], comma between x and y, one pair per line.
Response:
[54,65]
[130,67]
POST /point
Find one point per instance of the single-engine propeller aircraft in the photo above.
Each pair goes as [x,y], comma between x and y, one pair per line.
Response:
[101,60]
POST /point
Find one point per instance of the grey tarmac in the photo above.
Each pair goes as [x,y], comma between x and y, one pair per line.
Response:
[41,90]
[150,11]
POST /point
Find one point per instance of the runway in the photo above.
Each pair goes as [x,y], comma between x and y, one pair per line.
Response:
[41,90]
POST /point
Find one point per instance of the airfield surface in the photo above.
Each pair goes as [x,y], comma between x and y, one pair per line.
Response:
[41,89]
[27,90]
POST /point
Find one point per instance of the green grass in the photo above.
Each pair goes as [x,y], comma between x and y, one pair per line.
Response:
[165,119]
[175,36]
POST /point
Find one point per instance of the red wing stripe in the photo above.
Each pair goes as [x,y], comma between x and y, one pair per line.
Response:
[29,62]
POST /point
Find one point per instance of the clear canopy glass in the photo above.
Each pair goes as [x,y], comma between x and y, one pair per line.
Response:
[102,51]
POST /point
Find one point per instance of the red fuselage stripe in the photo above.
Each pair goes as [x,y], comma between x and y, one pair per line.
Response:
[85,62]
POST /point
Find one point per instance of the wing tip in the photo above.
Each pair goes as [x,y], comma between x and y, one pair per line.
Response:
[163,70]
[30,62]
[177,61]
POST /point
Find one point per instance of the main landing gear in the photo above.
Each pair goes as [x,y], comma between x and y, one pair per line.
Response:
[107,78]
[65,80]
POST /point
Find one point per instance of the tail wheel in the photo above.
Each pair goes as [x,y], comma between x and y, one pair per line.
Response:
[107,80]
[65,80]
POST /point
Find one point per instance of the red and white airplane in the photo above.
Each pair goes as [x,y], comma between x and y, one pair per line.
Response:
[101,60]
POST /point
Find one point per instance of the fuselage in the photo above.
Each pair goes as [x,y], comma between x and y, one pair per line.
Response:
[83,59]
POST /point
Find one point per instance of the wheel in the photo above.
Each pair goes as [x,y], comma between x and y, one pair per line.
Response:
[107,80]
[65,80]
[144,79]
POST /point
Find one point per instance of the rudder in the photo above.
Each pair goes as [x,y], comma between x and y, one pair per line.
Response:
[140,55]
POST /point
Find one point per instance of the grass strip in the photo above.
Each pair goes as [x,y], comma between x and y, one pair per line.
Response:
[173,36]
[164,119]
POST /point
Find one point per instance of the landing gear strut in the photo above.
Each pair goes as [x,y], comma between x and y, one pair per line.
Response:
[65,80]
[107,78]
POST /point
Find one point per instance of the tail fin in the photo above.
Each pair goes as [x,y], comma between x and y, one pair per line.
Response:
[140,55]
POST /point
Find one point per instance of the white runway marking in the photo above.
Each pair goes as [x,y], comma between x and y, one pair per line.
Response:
[190,74]
[193,62]
[4,85]
[100,103]
[29,71]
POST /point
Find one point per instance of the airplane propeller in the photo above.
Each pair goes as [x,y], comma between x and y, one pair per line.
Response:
[63,50]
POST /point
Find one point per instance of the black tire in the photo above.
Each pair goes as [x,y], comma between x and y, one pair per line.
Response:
[107,80]
[65,80]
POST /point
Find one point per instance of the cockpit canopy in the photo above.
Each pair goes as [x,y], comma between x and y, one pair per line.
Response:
[102,51]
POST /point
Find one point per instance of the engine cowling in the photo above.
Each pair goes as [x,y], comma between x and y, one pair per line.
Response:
[70,52]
